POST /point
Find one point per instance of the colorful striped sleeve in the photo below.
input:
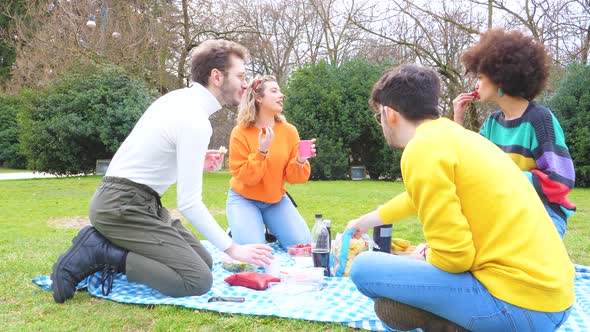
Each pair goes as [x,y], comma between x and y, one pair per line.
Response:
[554,176]
[536,143]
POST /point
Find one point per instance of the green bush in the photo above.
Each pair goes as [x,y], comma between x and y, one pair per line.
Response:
[387,165]
[82,117]
[331,103]
[332,160]
[571,104]
[11,154]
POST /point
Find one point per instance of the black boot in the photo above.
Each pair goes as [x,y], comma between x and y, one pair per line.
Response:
[90,252]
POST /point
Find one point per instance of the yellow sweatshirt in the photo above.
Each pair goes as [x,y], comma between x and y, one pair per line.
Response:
[261,178]
[480,214]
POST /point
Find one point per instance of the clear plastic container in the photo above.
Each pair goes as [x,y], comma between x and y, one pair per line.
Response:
[293,295]
[311,275]
[300,250]
[235,266]
[303,261]
[274,268]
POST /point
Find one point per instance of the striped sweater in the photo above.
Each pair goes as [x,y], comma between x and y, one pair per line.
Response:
[536,143]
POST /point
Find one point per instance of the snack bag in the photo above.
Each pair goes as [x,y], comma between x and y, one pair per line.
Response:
[345,248]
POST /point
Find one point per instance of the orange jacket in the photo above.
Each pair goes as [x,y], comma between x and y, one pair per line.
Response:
[261,178]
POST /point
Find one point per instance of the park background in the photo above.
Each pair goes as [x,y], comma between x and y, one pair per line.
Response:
[76,75]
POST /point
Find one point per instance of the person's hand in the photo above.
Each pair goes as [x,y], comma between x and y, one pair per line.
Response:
[358,226]
[460,106]
[421,252]
[257,254]
[363,223]
[265,138]
[213,158]
[301,160]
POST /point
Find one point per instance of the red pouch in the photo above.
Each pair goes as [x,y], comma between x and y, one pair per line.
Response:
[252,280]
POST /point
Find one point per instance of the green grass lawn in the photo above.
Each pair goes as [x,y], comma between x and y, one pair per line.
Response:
[11,170]
[30,244]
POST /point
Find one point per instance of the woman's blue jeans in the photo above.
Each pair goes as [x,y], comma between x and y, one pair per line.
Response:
[247,217]
[460,298]
[558,221]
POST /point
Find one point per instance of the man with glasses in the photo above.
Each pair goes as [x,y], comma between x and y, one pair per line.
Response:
[133,233]
[495,261]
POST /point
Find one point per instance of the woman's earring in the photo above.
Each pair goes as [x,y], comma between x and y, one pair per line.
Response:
[500,93]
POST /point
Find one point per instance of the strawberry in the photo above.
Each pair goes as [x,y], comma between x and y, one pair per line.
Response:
[475,92]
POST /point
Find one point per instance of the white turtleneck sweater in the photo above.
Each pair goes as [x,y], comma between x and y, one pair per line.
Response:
[168,145]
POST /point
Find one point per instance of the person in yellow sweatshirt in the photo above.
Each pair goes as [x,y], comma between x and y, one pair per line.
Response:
[263,155]
[495,261]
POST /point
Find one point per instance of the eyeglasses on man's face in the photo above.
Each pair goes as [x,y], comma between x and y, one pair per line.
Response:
[243,77]
[377,117]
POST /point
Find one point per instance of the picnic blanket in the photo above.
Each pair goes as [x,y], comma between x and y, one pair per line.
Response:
[339,299]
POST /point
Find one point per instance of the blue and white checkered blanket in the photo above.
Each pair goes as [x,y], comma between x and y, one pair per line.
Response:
[339,299]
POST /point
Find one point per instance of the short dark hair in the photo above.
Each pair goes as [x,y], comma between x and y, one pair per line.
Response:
[211,54]
[410,89]
[512,60]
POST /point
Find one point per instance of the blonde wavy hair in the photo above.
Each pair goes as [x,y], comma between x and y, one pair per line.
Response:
[249,108]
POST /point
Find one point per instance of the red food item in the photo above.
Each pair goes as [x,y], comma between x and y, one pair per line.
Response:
[252,280]
[475,92]
[300,250]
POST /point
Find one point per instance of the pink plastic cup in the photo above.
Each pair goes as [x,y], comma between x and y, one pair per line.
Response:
[305,149]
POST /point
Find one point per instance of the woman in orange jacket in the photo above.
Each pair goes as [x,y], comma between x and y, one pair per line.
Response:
[263,155]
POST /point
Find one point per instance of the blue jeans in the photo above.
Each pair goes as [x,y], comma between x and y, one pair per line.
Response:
[558,221]
[247,217]
[460,298]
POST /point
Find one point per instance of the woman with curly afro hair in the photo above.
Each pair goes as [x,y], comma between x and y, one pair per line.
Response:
[512,69]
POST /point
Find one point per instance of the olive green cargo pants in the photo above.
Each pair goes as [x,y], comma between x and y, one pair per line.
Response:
[163,254]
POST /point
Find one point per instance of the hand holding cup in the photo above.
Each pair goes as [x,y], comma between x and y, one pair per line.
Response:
[214,159]
[306,150]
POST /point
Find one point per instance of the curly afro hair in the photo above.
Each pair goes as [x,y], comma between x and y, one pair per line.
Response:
[512,60]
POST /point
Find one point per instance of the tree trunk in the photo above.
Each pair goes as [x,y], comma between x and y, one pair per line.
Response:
[490,12]
[186,44]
